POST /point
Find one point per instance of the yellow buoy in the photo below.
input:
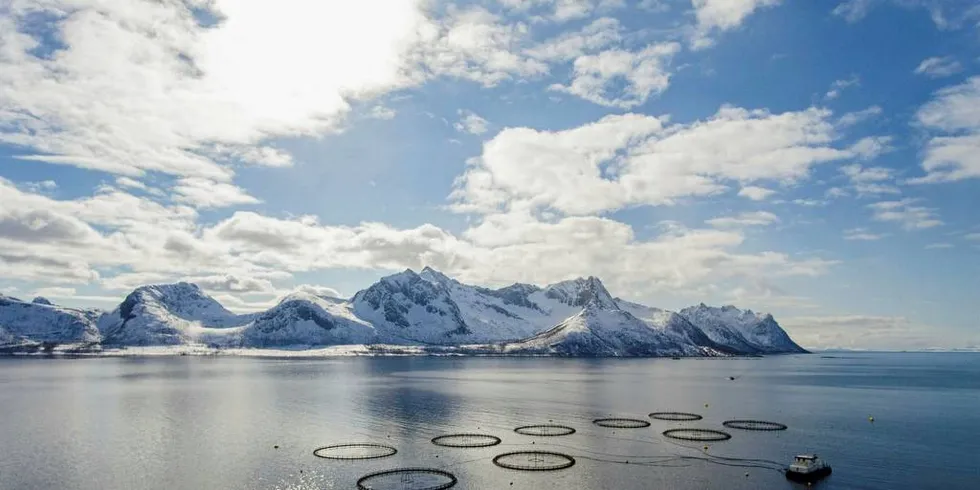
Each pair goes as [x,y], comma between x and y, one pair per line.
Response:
[871,419]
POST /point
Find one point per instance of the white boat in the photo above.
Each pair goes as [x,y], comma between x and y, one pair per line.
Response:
[807,468]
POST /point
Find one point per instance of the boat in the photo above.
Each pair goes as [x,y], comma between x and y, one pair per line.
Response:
[807,468]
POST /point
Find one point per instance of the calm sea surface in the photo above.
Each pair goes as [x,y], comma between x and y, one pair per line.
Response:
[214,423]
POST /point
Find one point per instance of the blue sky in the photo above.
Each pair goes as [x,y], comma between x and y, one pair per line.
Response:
[819,160]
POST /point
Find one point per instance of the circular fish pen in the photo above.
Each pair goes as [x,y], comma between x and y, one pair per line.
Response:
[545,430]
[753,425]
[534,461]
[466,440]
[620,423]
[676,416]
[360,450]
[407,479]
[705,435]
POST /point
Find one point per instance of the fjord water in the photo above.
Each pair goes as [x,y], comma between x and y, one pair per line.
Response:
[201,422]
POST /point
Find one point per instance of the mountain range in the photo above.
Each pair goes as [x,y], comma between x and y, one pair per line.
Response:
[577,317]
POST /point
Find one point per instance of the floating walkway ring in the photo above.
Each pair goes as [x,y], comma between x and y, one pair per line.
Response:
[466,440]
[408,479]
[359,450]
[620,423]
[753,425]
[676,416]
[706,435]
[534,461]
[545,430]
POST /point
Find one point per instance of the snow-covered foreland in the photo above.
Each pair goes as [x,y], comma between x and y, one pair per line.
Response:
[408,313]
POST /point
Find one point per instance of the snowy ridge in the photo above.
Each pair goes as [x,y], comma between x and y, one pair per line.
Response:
[40,322]
[407,313]
[744,330]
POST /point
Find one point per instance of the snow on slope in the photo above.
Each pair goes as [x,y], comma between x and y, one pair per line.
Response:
[170,314]
[745,331]
[46,323]
[675,326]
[575,317]
[303,319]
[431,308]
[606,332]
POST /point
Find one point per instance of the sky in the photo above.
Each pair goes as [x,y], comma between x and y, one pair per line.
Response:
[819,160]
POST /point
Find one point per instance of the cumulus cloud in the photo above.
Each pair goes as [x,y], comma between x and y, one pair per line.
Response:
[475,44]
[620,78]
[171,89]
[954,112]
[633,159]
[722,15]
[203,193]
[905,213]
[939,67]
[597,35]
[470,122]
[756,193]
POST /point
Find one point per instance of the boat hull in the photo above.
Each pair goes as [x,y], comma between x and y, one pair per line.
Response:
[808,477]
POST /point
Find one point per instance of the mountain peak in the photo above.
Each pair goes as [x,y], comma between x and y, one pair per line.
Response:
[433,275]
[41,300]
[581,292]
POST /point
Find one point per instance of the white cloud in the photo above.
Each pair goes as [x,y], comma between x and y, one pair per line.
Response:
[170,90]
[620,78]
[632,159]
[756,193]
[939,67]
[318,290]
[839,85]
[872,147]
[852,118]
[872,332]
[835,192]
[945,14]
[131,183]
[905,213]
[863,234]
[598,35]
[54,292]
[853,10]
[477,45]
[954,111]
[137,242]
[470,122]
[722,15]
[810,203]
[381,112]
[41,186]
[938,246]
[204,193]
[870,181]
[754,218]
[973,236]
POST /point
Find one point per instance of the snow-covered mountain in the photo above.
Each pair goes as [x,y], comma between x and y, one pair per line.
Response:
[40,322]
[745,331]
[169,314]
[603,329]
[302,319]
[575,317]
